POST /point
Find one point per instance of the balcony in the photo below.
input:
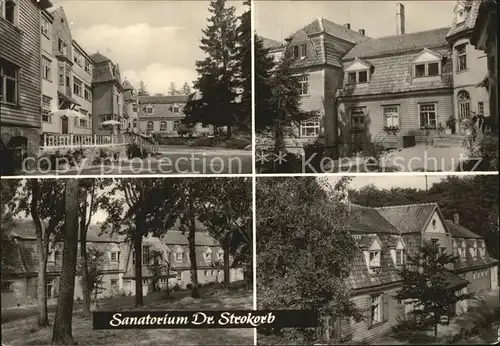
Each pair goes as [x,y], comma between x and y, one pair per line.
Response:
[54,142]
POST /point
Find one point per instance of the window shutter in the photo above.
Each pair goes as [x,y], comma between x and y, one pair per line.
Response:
[385,307]
[369,312]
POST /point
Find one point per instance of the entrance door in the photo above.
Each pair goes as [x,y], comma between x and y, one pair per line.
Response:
[64,125]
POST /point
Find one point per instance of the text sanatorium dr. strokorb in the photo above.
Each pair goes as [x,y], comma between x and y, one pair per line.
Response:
[203,319]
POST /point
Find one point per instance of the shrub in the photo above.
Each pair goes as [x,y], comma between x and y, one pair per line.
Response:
[189,286]
[133,150]
[314,153]
[176,288]
[202,142]
[237,143]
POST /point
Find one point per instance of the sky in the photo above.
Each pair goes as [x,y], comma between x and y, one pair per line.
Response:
[279,19]
[390,181]
[155,41]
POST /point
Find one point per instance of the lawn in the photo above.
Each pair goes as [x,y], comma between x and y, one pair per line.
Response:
[23,331]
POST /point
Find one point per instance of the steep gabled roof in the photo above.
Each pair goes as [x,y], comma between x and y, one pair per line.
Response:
[369,220]
[126,85]
[322,25]
[98,58]
[472,8]
[270,43]
[412,218]
[458,231]
[398,44]
[163,99]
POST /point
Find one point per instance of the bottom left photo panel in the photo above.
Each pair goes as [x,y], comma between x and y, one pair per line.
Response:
[72,247]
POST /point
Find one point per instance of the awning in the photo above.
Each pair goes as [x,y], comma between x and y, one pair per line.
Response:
[67,98]
[485,83]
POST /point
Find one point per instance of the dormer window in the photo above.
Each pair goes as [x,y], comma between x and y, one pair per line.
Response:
[374,260]
[400,257]
[220,255]
[300,51]
[62,47]
[179,255]
[134,107]
[482,250]
[149,109]
[175,109]
[115,256]
[357,77]
[208,256]
[427,64]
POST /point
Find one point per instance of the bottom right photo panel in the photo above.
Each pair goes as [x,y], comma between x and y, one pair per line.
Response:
[382,260]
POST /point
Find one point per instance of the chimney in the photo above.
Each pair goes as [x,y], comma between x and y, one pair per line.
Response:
[456,218]
[362,32]
[400,19]
[347,25]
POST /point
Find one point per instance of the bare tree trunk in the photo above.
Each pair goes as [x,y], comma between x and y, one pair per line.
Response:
[62,332]
[195,293]
[227,279]
[86,290]
[139,300]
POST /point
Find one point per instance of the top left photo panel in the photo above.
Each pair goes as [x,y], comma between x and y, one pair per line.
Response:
[129,87]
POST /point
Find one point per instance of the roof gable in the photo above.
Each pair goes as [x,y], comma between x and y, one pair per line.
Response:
[412,218]
[427,56]
[357,64]
[436,223]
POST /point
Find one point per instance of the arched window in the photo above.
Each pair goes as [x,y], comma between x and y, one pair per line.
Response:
[177,124]
[463,105]
[150,126]
[163,126]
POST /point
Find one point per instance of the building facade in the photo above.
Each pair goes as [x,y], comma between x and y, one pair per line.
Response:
[117,263]
[107,96]
[20,93]
[50,101]
[385,237]
[470,66]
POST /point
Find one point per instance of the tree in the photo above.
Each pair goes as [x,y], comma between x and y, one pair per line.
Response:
[43,200]
[142,89]
[305,248]
[186,89]
[244,58]
[159,267]
[8,248]
[264,66]
[172,89]
[93,279]
[216,82]
[427,285]
[141,207]
[159,94]
[62,332]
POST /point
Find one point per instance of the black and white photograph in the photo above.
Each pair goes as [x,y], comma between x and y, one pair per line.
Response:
[125,87]
[384,260]
[71,247]
[375,86]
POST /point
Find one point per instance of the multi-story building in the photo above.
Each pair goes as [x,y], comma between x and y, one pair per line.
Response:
[116,262]
[470,66]
[107,96]
[20,80]
[130,106]
[385,236]
[485,38]
[50,123]
[82,88]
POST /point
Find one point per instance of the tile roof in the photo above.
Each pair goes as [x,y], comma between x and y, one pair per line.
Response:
[270,43]
[163,99]
[410,218]
[458,231]
[322,25]
[126,85]
[98,58]
[399,44]
[369,220]
[472,9]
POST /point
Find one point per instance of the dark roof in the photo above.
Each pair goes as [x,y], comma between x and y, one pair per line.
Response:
[126,85]
[369,220]
[163,99]
[98,58]
[399,44]
[472,9]
[454,280]
[410,218]
[458,231]
[322,25]
[270,43]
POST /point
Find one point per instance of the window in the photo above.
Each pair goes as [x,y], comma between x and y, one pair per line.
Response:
[302,51]
[374,259]
[49,286]
[62,47]
[9,82]
[179,277]
[376,309]
[67,76]
[87,66]
[46,109]
[114,282]
[163,126]
[57,257]
[433,69]
[179,256]
[357,77]
[150,126]
[149,109]
[115,256]
[60,71]
[463,105]
[420,70]
[428,115]
[482,250]
[480,108]
[362,76]
[303,84]
[351,78]
[145,254]
[358,118]
[46,69]
[45,28]
[391,116]
[175,109]
[77,57]
[310,127]
[427,70]
[8,10]
[134,123]
[400,257]
[77,86]
[208,256]
[461,57]
[7,286]
[177,124]
[134,107]
[220,255]
[133,257]
[88,93]
[296,52]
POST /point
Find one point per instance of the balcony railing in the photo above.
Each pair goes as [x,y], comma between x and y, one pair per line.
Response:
[73,141]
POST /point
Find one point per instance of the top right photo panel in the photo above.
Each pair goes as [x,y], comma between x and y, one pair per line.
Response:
[375,86]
